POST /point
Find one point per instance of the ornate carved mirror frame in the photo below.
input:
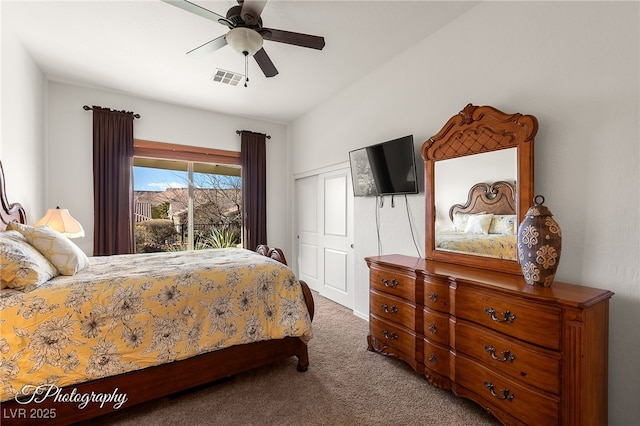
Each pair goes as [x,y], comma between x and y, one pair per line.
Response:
[477,130]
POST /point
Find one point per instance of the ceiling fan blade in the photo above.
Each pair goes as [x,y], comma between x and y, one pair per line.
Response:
[251,10]
[297,39]
[210,46]
[199,10]
[265,63]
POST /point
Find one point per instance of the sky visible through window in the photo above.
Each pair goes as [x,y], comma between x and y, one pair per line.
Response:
[148,179]
[151,179]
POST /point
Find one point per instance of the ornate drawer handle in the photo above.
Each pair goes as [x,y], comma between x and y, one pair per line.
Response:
[507,355]
[507,315]
[505,392]
[433,329]
[433,297]
[393,335]
[433,359]
[393,310]
[394,282]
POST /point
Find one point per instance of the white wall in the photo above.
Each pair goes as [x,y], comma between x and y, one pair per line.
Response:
[69,173]
[575,66]
[22,124]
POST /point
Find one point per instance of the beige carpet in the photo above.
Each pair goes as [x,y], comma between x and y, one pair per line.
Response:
[345,385]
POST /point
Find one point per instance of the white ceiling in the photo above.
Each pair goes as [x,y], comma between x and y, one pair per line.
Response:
[139,48]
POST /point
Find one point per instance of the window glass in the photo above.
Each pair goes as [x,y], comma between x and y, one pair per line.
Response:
[182,205]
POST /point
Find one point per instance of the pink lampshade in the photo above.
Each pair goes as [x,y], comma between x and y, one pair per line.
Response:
[61,221]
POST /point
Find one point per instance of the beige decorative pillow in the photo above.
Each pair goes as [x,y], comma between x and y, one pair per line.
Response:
[460,221]
[57,248]
[478,224]
[22,267]
[504,224]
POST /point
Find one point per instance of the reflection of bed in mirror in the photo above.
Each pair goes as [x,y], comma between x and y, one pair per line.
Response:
[485,225]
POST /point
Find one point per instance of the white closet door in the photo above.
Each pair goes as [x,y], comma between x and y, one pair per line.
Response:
[325,234]
[337,205]
[308,231]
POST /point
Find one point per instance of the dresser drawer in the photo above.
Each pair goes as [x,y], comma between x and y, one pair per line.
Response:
[525,363]
[393,309]
[523,403]
[393,335]
[436,293]
[534,323]
[436,326]
[436,358]
[394,282]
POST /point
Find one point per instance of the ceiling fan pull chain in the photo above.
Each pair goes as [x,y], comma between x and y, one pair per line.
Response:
[246,68]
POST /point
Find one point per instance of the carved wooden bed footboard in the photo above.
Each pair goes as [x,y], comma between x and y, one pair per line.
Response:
[129,389]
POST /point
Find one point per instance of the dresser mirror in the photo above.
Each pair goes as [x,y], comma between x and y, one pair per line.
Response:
[479,186]
[453,180]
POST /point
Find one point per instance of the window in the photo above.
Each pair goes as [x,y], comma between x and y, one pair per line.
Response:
[185,197]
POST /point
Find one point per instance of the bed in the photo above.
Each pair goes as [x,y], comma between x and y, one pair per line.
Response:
[485,225]
[127,329]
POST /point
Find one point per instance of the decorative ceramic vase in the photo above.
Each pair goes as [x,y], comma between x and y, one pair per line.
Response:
[539,245]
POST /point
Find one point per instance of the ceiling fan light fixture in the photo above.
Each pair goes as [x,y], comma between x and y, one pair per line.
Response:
[244,40]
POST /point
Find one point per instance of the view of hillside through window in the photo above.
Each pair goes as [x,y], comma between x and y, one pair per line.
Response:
[172,215]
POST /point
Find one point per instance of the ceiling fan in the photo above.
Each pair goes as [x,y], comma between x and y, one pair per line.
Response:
[246,32]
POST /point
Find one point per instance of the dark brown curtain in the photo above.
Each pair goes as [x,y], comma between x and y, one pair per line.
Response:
[112,182]
[254,188]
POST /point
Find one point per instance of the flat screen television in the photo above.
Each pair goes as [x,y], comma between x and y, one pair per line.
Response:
[387,168]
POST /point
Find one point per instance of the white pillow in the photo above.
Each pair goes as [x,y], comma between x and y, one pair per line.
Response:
[460,220]
[478,224]
[57,248]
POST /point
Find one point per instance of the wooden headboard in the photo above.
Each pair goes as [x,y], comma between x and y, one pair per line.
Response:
[9,212]
[497,198]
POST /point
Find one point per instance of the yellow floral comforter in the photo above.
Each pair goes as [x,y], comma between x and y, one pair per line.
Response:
[491,245]
[129,312]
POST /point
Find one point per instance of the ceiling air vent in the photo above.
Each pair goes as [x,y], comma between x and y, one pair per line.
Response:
[227,77]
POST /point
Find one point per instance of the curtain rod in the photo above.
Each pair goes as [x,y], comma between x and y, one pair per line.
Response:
[240,131]
[88,108]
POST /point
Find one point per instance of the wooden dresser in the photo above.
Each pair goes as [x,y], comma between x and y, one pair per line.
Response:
[529,355]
